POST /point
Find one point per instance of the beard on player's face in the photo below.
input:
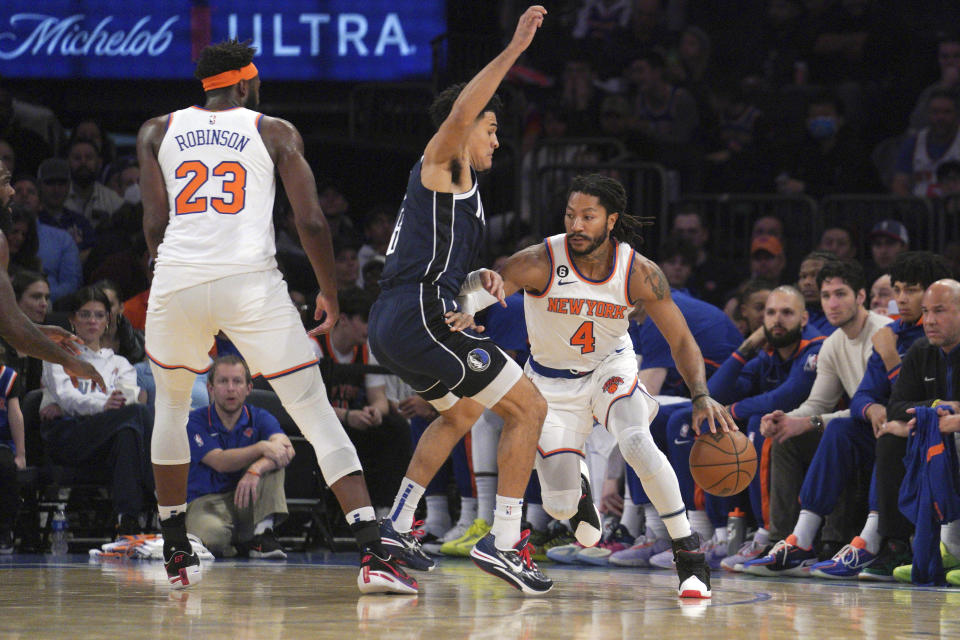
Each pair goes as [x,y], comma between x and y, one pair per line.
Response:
[593,242]
[785,339]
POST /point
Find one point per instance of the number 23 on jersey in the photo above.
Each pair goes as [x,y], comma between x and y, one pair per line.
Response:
[229,201]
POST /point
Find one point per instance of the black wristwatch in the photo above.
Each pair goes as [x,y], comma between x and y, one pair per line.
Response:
[817,423]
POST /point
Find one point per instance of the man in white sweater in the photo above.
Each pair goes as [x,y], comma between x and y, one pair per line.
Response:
[795,435]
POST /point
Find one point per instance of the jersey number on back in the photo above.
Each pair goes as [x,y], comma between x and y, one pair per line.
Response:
[396,233]
[583,338]
[235,187]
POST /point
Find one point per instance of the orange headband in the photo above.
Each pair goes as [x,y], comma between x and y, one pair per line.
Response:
[228,78]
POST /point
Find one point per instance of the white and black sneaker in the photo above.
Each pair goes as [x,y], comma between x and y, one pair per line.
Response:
[183,569]
[586,524]
[266,545]
[692,568]
[404,547]
[515,566]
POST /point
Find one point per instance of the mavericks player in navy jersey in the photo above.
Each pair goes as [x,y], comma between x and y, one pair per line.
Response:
[435,242]
[207,177]
[579,288]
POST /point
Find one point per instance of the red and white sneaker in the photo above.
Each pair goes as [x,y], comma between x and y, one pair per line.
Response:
[183,569]
[378,575]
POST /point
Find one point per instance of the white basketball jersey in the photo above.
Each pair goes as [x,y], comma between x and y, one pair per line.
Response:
[220,187]
[577,322]
[925,168]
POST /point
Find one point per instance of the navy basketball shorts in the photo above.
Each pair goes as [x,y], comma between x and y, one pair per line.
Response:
[409,336]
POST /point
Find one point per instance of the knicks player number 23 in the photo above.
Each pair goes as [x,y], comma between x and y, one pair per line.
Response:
[235,187]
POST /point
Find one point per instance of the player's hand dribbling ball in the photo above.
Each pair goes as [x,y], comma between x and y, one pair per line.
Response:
[723,464]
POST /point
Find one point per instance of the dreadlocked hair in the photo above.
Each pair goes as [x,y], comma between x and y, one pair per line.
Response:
[228,55]
[613,197]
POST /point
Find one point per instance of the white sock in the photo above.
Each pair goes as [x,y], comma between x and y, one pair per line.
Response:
[362,514]
[405,505]
[486,497]
[631,517]
[263,525]
[168,512]
[720,535]
[806,528]
[506,522]
[537,517]
[468,511]
[700,522]
[438,515]
[871,534]
[761,537]
[656,530]
[950,536]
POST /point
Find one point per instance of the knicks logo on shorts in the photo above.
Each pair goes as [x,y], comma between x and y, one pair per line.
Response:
[612,384]
[198,439]
[478,360]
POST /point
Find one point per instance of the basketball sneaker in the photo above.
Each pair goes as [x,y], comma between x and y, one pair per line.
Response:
[904,573]
[784,559]
[556,535]
[565,553]
[404,547]
[183,569]
[749,550]
[430,543]
[586,523]
[714,552]
[692,567]
[514,566]
[846,563]
[663,560]
[618,540]
[462,545]
[379,575]
[639,554]
[265,545]
[893,553]
[953,577]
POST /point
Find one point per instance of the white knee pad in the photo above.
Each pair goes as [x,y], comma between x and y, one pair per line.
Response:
[305,399]
[636,443]
[169,444]
[484,438]
[559,484]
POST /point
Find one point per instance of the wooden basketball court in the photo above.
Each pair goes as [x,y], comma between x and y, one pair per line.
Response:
[315,596]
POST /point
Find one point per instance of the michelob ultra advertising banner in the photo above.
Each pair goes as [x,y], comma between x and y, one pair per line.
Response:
[348,40]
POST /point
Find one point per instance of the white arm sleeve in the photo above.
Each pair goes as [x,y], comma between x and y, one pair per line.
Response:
[473,297]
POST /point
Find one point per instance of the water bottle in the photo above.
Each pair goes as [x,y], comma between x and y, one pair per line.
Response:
[736,531]
[59,531]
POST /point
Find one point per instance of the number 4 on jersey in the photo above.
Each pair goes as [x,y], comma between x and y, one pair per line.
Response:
[583,337]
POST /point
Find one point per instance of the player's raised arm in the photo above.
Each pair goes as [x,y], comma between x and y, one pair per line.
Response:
[156,205]
[285,145]
[447,141]
[649,285]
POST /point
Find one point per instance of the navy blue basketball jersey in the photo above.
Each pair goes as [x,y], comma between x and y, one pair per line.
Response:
[436,239]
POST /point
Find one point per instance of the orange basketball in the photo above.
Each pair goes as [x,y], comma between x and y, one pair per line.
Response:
[723,463]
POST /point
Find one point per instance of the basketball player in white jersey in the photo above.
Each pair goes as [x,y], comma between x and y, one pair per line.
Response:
[207,178]
[579,289]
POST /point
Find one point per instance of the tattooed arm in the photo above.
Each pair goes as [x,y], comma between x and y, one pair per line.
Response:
[648,285]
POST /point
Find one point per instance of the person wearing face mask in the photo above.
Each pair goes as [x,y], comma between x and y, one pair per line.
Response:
[831,159]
